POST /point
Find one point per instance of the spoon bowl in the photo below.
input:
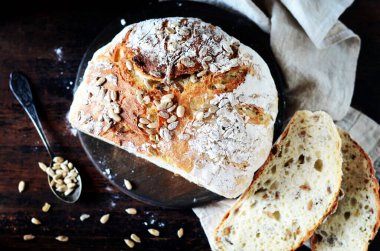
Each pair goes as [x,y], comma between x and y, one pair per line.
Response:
[20,88]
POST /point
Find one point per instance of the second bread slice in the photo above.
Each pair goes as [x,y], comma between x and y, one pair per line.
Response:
[291,193]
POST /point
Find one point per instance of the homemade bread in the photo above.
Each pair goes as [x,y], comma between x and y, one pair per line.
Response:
[184,95]
[357,219]
[291,193]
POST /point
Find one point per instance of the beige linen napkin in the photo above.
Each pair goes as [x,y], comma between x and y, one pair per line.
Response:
[318,57]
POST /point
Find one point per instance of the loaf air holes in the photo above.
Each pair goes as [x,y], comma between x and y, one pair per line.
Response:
[318,165]
[273,170]
[301,159]
[353,202]
[347,215]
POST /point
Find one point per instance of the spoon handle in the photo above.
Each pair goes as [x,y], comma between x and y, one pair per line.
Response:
[21,90]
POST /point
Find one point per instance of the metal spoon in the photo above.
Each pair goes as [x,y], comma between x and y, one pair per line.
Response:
[21,90]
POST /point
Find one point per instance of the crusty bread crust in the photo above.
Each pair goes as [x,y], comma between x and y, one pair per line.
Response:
[245,196]
[370,169]
[184,95]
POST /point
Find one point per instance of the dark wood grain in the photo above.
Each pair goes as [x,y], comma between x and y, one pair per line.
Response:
[28,38]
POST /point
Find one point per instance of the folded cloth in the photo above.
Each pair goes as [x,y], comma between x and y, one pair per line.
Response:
[318,57]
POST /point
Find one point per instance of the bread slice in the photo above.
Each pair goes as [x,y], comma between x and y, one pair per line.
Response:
[357,218]
[291,194]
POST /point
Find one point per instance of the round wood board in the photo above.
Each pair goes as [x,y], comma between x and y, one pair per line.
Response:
[151,184]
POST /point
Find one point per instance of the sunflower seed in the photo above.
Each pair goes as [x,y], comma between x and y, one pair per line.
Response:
[144,121]
[227,47]
[129,65]
[201,73]
[71,186]
[180,232]
[113,95]
[220,86]
[170,30]
[170,109]
[180,111]
[150,131]
[166,134]
[140,99]
[127,184]
[186,61]
[146,100]
[135,238]
[68,191]
[199,115]
[212,109]
[173,125]
[35,221]
[104,218]
[169,97]
[129,243]
[207,58]
[58,159]
[163,114]
[84,217]
[114,116]
[171,119]
[42,166]
[154,232]
[62,238]
[100,81]
[131,210]
[21,186]
[141,125]
[193,78]
[153,125]
[161,106]
[50,172]
[152,137]
[46,207]
[28,237]
[147,84]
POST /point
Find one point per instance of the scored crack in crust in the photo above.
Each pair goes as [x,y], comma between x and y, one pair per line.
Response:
[184,95]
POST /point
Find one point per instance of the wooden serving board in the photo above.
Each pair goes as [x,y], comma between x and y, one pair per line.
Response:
[151,184]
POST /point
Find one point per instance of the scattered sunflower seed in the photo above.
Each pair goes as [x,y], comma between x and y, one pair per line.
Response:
[46,207]
[131,211]
[154,232]
[129,243]
[84,217]
[127,184]
[28,237]
[199,116]
[129,65]
[42,166]
[100,81]
[62,238]
[180,232]
[36,221]
[135,238]
[104,218]
[21,186]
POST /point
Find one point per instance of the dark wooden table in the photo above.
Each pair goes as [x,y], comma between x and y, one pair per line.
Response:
[28,40]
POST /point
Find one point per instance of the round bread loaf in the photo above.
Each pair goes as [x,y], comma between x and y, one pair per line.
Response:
[184,95]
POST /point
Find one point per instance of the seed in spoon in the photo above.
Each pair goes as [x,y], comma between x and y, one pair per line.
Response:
[129,243]
[180,232]
[21,186]
[42,166]
[58,159]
